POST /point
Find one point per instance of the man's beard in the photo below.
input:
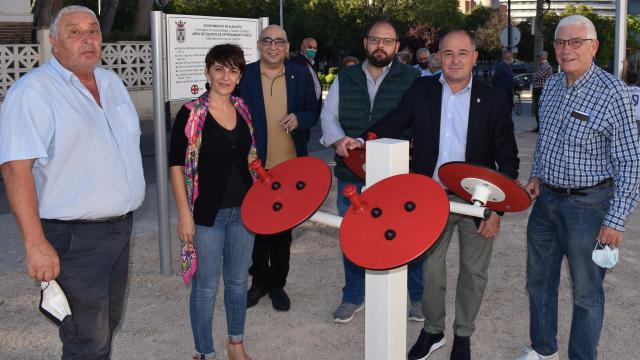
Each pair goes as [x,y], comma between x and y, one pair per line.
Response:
[379,62]
[424,65]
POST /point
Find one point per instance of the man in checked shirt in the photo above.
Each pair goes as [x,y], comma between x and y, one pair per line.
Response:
[585,178]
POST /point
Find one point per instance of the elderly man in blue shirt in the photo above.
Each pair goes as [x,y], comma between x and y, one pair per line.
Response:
[70,159]
[584,175]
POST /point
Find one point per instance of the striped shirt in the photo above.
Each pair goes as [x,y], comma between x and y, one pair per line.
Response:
[541,75]
[587,135]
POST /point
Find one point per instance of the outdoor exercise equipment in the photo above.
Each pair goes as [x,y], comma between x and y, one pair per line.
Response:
[285,195]
[356,161]
[397,217]
[483,187]
[393,221]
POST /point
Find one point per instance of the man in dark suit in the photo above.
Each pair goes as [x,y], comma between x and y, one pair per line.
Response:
[454,118]
[283,105]
[503,77]
[306,58]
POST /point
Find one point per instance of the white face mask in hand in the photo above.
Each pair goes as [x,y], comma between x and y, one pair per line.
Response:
[53,302]
[604,256]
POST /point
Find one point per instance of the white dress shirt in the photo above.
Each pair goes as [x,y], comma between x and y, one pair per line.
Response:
[454,122]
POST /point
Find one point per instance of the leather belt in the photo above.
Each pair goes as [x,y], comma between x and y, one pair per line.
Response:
[90,221]
[576,191]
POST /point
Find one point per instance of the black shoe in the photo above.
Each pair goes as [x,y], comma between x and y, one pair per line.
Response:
[426,345]
[461,348]
[279,299]
[254,294]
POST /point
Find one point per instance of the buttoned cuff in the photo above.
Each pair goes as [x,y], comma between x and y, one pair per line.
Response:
[614,222]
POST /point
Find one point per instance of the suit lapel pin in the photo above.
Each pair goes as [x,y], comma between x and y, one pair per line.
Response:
[477,100]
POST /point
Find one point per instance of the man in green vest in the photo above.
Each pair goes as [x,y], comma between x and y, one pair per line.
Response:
[360,96]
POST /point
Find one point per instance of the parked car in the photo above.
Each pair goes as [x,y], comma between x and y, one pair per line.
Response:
[523,81]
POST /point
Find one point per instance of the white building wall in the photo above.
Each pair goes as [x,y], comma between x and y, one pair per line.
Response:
[525,9]
[15,11]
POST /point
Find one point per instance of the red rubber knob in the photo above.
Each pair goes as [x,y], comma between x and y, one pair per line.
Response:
[264,177]
[357,203]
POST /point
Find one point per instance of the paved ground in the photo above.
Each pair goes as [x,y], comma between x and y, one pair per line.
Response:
[156,324]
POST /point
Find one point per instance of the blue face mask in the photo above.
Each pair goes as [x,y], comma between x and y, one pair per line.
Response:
[310,53]
[604,256]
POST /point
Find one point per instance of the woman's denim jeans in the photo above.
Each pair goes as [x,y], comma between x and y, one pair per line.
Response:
[225,246]
[566,225]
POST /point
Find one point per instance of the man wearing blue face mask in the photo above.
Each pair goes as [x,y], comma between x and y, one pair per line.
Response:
[306,57]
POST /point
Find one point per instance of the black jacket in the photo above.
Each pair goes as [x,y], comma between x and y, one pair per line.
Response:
[490,138]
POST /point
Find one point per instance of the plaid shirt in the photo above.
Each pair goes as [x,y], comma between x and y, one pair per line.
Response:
[541,75]
[573,152]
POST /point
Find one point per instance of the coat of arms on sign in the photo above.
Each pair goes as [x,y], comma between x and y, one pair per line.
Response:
[181,32]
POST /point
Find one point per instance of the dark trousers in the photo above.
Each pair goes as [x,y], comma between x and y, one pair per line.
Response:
[536,92]
[270,256]
[94,265]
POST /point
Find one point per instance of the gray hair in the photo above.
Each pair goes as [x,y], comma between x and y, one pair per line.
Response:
[67,10]
[423,51]
[404,57]
[434,61]
[578,20]
[273,26]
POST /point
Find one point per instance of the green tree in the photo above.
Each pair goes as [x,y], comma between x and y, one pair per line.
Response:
[478,16]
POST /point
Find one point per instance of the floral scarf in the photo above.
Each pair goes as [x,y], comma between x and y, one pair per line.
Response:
[193,131]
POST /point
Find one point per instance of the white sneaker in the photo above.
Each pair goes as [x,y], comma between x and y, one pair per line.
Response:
[529,354]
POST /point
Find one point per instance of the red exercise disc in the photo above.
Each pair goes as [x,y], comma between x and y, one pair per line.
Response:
[355,162]
[399,232]
[516,197]
[302,185]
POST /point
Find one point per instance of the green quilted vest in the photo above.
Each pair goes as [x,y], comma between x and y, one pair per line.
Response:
[355,111]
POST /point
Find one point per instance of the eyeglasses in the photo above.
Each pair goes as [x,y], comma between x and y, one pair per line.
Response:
[573,43]
[269,41]
[386,41]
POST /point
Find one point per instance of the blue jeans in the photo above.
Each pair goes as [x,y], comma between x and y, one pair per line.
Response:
[224,246]
[353,290]
[566,225]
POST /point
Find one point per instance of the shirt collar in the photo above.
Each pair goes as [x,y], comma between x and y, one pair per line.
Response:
[280,73]
[64,72]
[584,79]
[444,83]
[384,69]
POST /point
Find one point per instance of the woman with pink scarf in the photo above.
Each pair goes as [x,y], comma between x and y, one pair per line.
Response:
[211,145]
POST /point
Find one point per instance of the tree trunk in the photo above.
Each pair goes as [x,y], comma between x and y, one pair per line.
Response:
[108,14]
[44,12]
[141,22]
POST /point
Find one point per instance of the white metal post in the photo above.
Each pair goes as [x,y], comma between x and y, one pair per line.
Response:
[621,37]
[386,291]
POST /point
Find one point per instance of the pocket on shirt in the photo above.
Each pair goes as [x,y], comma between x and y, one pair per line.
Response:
[583,137]
[129,116]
